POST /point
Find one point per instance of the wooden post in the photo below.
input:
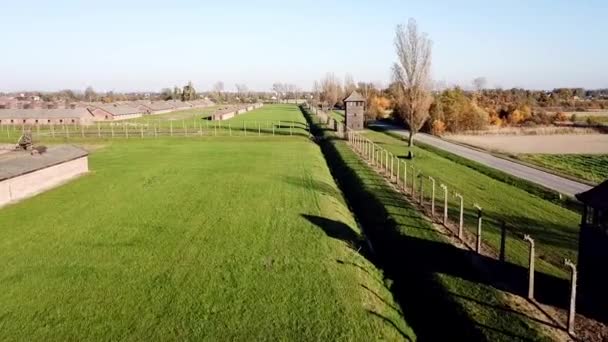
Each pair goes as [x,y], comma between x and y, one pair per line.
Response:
[98,130]
[126,130]
[432,196]
[572,307]
[171,127]
[142,131]
[112,129]
[461,218]
[445,203]
[229,129]
[530,267]
[392,167]
[479,219]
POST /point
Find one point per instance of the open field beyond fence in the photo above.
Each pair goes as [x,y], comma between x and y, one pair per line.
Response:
[590,167]
[270,120]
[192,239]
[549,144]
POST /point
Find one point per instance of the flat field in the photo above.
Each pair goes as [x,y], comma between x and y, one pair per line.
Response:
[554,228]
[548,144]
[212,238]
[591,167]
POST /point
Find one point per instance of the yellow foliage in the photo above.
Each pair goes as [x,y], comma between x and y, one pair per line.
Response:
[495,120]
[438,127]
[516,117]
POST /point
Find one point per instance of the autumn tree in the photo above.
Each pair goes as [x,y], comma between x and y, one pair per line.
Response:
[188,93]
[480,83]
[411,74]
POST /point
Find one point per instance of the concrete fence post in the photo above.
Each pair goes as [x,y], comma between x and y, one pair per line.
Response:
[530,267]
[273,125]
[572,306]
[142,131]
[82,131]
[392,167]
[413,192]
[259,130]
[404,176]
[503,241]
[421,189]
[171,127]
[98,130]
[479,220]
[126,130]
[432,196]
[230,129]
[445,203]
[461,216]
[112,130]
[397,173]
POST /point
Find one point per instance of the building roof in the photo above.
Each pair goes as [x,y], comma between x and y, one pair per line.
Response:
[44,113]
[596,197]
[354,97]
[17,163]
[117,108]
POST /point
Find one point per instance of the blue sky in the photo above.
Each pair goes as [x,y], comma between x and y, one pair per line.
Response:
[147,45]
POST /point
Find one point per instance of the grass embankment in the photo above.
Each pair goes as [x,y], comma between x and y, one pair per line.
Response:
[336,115]
[192,239]
[442,296]
[590,167]
[554,228]
[269,120]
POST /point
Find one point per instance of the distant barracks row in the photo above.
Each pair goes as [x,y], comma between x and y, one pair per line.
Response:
[95,112]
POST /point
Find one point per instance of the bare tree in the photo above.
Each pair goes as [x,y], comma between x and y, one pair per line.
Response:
[90,95]
[411,73]
[218,89]
[480,83]
[330,90]
[242,91]
[349,84]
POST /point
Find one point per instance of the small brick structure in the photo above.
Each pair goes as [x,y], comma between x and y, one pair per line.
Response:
[355,111]
[23,174]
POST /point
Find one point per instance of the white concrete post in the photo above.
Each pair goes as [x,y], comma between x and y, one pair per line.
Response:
[461,218]
[82,131]
[112,129]
[397,173]
[273,129]
[98,130]
[404,176]
[171,127]
[126,130]
[245,127]
[259,130]
[421,189]
[572,307]
[392,167]
[479,219]
[413,181]
[445,203]
[530,267]
[432,196]
[142,131]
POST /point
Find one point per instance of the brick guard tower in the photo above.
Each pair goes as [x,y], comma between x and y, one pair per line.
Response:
[355,111]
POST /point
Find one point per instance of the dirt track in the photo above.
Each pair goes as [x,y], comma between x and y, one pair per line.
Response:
[553,144]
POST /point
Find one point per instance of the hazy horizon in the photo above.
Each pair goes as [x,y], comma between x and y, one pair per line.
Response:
[146,46]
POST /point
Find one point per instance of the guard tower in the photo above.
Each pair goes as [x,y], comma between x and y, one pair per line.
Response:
[355,111]
[593,250]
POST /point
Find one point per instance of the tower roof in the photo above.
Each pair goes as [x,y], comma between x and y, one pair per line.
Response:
[596,197]
[354,96]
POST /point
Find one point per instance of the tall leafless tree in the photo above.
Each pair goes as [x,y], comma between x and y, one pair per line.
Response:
[412,74]
[330,90]
[480,83]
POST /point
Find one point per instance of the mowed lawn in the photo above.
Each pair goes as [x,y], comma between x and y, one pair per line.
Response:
[192,239]
[554,228]
[590,167]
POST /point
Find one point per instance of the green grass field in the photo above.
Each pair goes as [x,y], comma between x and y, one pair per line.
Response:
[273,119]
[337,115]
[591,167]
[554,227]
[442,297]
[216,238]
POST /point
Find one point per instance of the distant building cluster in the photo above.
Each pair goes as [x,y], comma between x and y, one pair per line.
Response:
[31,110]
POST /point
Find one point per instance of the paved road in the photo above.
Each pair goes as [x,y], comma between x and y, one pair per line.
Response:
[548,180]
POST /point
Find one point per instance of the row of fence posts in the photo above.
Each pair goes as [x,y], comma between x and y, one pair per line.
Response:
[116,129]
[379,157]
